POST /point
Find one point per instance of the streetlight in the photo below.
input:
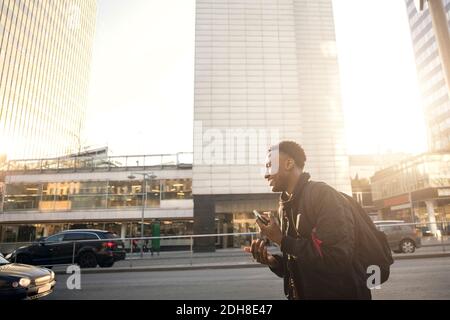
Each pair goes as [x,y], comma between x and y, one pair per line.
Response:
[145,176]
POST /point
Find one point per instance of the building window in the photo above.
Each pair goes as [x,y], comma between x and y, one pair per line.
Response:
[176,227]
[22,197]
[79,195]
[129,194]
[176,189]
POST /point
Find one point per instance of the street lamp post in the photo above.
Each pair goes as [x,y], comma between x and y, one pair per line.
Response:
[145,176]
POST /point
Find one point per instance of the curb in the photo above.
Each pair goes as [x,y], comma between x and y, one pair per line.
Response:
[422,256]
[212,266]
[187,256]
[169,268]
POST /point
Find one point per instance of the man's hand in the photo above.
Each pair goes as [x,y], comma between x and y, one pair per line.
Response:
[271,230]
[259,251]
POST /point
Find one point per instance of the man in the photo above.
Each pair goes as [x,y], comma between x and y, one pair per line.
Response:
[314,230]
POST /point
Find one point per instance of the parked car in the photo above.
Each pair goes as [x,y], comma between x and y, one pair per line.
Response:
[20,281]
[85,247]
[401,238]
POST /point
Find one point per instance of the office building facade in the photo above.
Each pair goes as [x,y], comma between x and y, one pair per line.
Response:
[45,57]
[265,71]
[416,189]
[42,197]
[434,92]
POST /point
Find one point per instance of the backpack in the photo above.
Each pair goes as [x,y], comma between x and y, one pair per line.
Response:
[371,244]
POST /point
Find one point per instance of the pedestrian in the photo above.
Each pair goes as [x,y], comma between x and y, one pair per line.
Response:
[318,259]
[135,245]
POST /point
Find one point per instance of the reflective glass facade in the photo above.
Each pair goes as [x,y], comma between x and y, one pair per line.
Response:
[45,55]
[41,197]
[421,172]
[158,161]
[81,195]
[435,95]
[31,232]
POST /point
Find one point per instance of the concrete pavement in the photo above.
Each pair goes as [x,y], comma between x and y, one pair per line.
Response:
[410,279]
[224,258]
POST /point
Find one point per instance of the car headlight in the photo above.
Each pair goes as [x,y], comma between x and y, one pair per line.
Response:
[52,275]
[24,282]
[8,256]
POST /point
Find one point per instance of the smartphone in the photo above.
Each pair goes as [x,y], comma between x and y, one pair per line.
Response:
[261,217]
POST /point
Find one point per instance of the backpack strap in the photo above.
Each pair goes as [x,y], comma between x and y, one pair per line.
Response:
[307,206]
[305,202]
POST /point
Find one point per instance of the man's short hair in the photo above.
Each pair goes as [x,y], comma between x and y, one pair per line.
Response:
[293,150]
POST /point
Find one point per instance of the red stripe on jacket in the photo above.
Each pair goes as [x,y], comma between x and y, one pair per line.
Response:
[317,242]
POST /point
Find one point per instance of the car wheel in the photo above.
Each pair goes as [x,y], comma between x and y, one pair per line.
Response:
[23,259]
[108,264]
[87,260]
[407,246]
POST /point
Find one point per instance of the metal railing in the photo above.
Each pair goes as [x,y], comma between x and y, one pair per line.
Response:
[92,163]
[427,244]
[133,253]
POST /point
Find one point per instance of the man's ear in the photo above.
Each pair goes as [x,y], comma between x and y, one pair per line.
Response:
[289,164]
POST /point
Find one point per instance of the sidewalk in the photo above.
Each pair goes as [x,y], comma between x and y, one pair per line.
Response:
[221,259]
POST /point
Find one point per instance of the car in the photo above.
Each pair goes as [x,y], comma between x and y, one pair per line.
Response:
[85,247]
[401,238]
[20,281]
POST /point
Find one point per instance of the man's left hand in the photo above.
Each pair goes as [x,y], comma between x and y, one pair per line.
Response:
[271,231]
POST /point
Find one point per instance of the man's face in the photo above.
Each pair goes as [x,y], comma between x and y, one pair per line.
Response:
[276,173]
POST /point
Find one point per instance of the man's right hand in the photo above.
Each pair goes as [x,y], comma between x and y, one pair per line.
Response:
[258,249]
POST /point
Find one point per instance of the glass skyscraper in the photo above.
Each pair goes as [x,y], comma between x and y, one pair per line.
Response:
[45,56]
[434,92]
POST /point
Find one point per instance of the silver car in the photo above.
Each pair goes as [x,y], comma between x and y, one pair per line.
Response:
[401,238]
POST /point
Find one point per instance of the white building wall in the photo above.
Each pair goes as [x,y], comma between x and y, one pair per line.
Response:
[269,66]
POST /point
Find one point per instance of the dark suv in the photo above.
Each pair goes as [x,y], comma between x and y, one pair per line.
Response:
[85,247]
[402,238]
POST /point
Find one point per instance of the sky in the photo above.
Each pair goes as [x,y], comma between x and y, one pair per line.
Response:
[141,93]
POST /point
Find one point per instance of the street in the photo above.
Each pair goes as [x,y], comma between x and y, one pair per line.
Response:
[410,279]
[156,151]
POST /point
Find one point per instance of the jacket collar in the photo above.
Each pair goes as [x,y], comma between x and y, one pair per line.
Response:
[286,199]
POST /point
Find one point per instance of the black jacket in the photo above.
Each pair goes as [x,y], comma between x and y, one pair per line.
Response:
[318,245]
